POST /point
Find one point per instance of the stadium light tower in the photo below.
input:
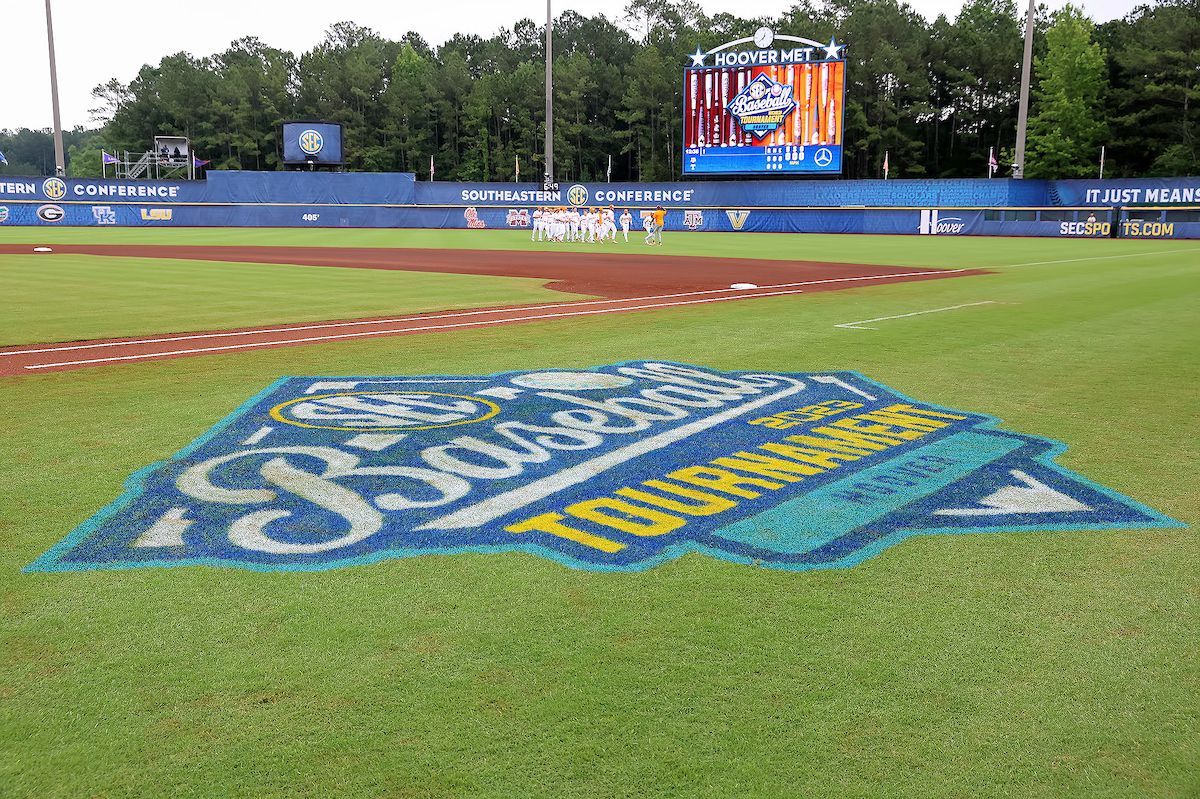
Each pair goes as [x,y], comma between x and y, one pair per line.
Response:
[60,162]
[549,96]
[1023,108]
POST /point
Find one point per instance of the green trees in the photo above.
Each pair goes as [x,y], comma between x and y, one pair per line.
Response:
[1154,103]
[1067,128]
[934,94]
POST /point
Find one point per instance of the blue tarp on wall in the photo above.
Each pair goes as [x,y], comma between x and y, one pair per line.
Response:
[322,199]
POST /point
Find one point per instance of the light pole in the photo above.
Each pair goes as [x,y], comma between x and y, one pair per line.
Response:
[549,97]
[60,162]
[1023,108]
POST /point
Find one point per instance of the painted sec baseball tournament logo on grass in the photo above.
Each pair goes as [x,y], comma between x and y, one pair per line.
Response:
[621,467]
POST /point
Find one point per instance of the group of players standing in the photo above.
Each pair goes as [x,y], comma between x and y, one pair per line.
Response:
[579,224]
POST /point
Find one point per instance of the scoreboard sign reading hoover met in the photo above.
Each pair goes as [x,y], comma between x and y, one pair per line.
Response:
[765,104]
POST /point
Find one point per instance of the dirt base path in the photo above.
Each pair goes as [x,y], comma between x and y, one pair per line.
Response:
[627,283]
[612,273]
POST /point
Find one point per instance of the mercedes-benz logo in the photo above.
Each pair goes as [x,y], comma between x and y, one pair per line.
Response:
[823,157]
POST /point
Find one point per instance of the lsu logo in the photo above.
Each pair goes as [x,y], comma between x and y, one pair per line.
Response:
[104,215]
[50,213]
[577,195]
[737,219]
[311,142]
[693,219]
[932,224]
[517,217]
[618,468]
[54,188]
[157,214]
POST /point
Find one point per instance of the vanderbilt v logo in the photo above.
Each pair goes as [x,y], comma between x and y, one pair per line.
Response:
[737,218]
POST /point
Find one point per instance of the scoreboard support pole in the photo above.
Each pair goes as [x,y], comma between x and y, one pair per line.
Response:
[549,96]
[1023,108]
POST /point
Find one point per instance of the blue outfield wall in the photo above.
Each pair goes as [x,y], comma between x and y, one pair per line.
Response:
[322,199]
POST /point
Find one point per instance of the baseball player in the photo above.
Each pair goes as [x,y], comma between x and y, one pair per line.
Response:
[658,218]
[573,224]
[609,231]
[626,221]
[537,225]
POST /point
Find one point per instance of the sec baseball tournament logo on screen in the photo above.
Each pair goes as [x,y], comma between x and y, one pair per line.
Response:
[616,468]
[311,142]
[54,188]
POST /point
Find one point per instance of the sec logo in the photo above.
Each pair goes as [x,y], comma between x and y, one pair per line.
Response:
[384,411]
[577,195]
[311,142]
[54,188]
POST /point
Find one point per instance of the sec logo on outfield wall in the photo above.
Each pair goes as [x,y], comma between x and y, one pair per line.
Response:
[618,468]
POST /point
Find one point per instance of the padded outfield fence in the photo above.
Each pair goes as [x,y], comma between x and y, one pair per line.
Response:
[1146,208]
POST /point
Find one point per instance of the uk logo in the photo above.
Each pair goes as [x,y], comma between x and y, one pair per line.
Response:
[618,468]
[104,215]
[762,106]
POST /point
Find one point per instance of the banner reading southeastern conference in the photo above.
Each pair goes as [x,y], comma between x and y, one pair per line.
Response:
[618,468]
[765,104]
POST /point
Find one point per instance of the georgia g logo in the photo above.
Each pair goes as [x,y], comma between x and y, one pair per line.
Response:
[54,188]
[577,195]
[311,142]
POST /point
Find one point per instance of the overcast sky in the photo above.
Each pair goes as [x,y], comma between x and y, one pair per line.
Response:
[101,39]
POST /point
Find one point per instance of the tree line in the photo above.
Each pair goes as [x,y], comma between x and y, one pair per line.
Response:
[932,95]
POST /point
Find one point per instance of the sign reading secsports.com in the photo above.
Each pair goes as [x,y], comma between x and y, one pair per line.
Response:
[622,467]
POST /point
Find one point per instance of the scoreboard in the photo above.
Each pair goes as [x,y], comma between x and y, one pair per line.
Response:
[764,111]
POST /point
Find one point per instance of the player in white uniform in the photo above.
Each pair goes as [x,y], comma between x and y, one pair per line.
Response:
[537,225]
[626,221]
[573,224]
[609,227]
[560,225]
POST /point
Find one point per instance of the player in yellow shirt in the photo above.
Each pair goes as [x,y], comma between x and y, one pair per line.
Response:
[658,219]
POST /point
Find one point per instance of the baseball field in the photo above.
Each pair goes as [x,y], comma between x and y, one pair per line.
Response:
[1032,660]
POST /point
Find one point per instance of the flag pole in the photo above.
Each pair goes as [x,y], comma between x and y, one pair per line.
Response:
[1102,162]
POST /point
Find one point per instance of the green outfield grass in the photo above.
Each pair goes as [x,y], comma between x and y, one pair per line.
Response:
[1028,665]
[69,297]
